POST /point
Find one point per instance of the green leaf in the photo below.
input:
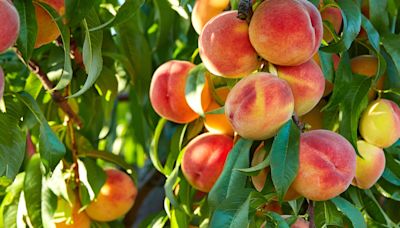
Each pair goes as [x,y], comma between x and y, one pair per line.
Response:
[353,105]
[391,44]
[277,220]
[231,179]
[392,170]
[92,57]
[65,36]
[32,191]
[92,177]
[154,145]
[374,209]
[350,211]
[194,87]
[327,66]
[49,204]
[233,212]
[326,214]
[220,110]
[77,10]
[351,26]
[378,15]
[9,204]
[285,157]
[51,149]
[170,183]
[28,28]
[12,142]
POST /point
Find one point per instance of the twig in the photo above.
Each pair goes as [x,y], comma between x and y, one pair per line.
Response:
[55,95]
[311,214]
[298,122]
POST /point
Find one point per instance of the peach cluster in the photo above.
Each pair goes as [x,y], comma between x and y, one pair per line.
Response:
[9,28]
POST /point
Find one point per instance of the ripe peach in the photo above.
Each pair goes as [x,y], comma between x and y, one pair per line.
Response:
[367,65]
[315,117]
[204,10]
[258,105]
[225,48]
[370,167]
[307,83]
[218,123]
[76,218]
[300,223]
[286,32]
[167,92]
[47,30]
[9,28]
[380,123]
[204,159]
[327,165]
[334,16]
[115,198]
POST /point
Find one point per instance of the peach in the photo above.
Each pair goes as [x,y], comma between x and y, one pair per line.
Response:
[258,105]
[328,85]
[77,218]
[286,32]
[115,198]
[327,165]
[204,159]
[367,65]
[167,92]
[1,82]
[218,123]
[9,28]
[204,10]
[300,223]
[314,118]
[307,83]
[47,30]
[380,123]
[370,167]
[225,48]
[332,15]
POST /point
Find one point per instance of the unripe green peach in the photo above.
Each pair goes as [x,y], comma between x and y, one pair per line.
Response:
[167,92]
[225,48]
[9,28]
[115,198]
[380,123]
[218,123]
[258,105]
[286,32]
[370,167]
[307,83]
[204,159]
[327,165]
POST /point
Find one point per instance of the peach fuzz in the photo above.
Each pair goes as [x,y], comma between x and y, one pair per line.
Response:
[218,123]
[9,29]
[380,123]
[327,165]
[307,83]
[286,32]
[115,198]
[370,167]
[258,105]
[204,10]
[225,48]
[204,159]
[367,65]
[167,92]
[79,219]
[332,15]
[314,118]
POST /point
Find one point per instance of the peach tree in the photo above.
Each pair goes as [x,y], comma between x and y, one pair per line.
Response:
[199,113]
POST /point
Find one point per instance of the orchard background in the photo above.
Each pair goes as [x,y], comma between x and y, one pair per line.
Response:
[76,103]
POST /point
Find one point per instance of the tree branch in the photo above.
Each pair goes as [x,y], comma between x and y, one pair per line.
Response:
[311,214]
[55,95]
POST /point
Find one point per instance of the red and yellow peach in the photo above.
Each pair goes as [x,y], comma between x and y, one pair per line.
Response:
[9,28]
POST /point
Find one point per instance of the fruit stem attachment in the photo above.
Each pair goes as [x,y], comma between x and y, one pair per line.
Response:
[245,10]
[297,121]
